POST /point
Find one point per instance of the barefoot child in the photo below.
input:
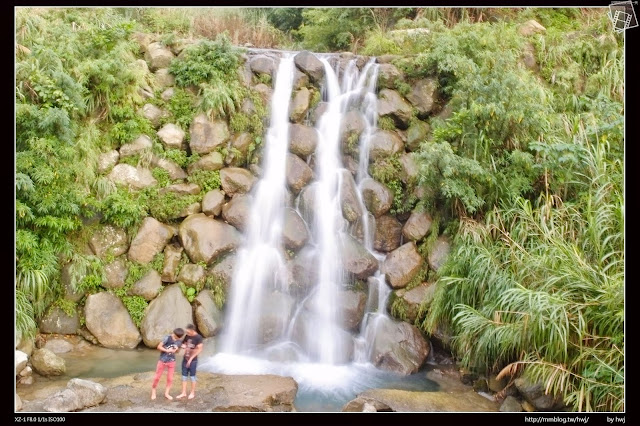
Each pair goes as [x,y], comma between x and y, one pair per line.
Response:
[168,348]
[192,345]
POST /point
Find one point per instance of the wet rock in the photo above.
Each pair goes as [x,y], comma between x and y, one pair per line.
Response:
[238,211]
[399,347]
[299,105]
[295,234]
[165,313]
[388,233]
[377,197]
[204,238]
[417,226]
[208,316]
[298,173]
[510,404]
[401,265]
[303,140]
[309,64]
[349,200]
[391,104]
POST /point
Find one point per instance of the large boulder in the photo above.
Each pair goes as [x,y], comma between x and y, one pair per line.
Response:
[171,136]
[237,211]
[294,233]
[510,404]
[396,400]
[300,79]
[109,241]
[79,394]
[401,265]
[399,347]
[309,64]
[164,314]
[58,345]
[384,144]
[212,202]
[207,135]
[356,259]
[388,74]
[262,64]
[388,233]
[46,363]
[377,197]
[132,177]
[208,316]
[148,286]
[303,140]
[413,300]
[306,202]
[59,322]
[417,226]
[150,240]
[115,274]
[298,173]
[349,199]
[204,238]
[236,180]
[391,104]
[210,162]
[192,275]
[423,96]
[108,320]
[141,144]
[439,253]
[158,56]
[299,105]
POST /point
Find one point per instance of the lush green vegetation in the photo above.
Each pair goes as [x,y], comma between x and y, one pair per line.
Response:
[525,174]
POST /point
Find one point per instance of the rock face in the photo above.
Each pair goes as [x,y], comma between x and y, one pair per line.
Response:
[166,312]
[401,265]
[150,240]
[204,238]
[57,321]
[46,363]
[78,395]
[399,347]
[109,321]
[208,316]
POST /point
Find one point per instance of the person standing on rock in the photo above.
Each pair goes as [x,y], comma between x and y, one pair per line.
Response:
[168,348]
[192,345]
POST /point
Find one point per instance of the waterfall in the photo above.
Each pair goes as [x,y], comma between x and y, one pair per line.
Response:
[278,322]
[261,277]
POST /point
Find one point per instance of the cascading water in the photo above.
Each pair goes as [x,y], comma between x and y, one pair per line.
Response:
[264,280]
[271,329]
